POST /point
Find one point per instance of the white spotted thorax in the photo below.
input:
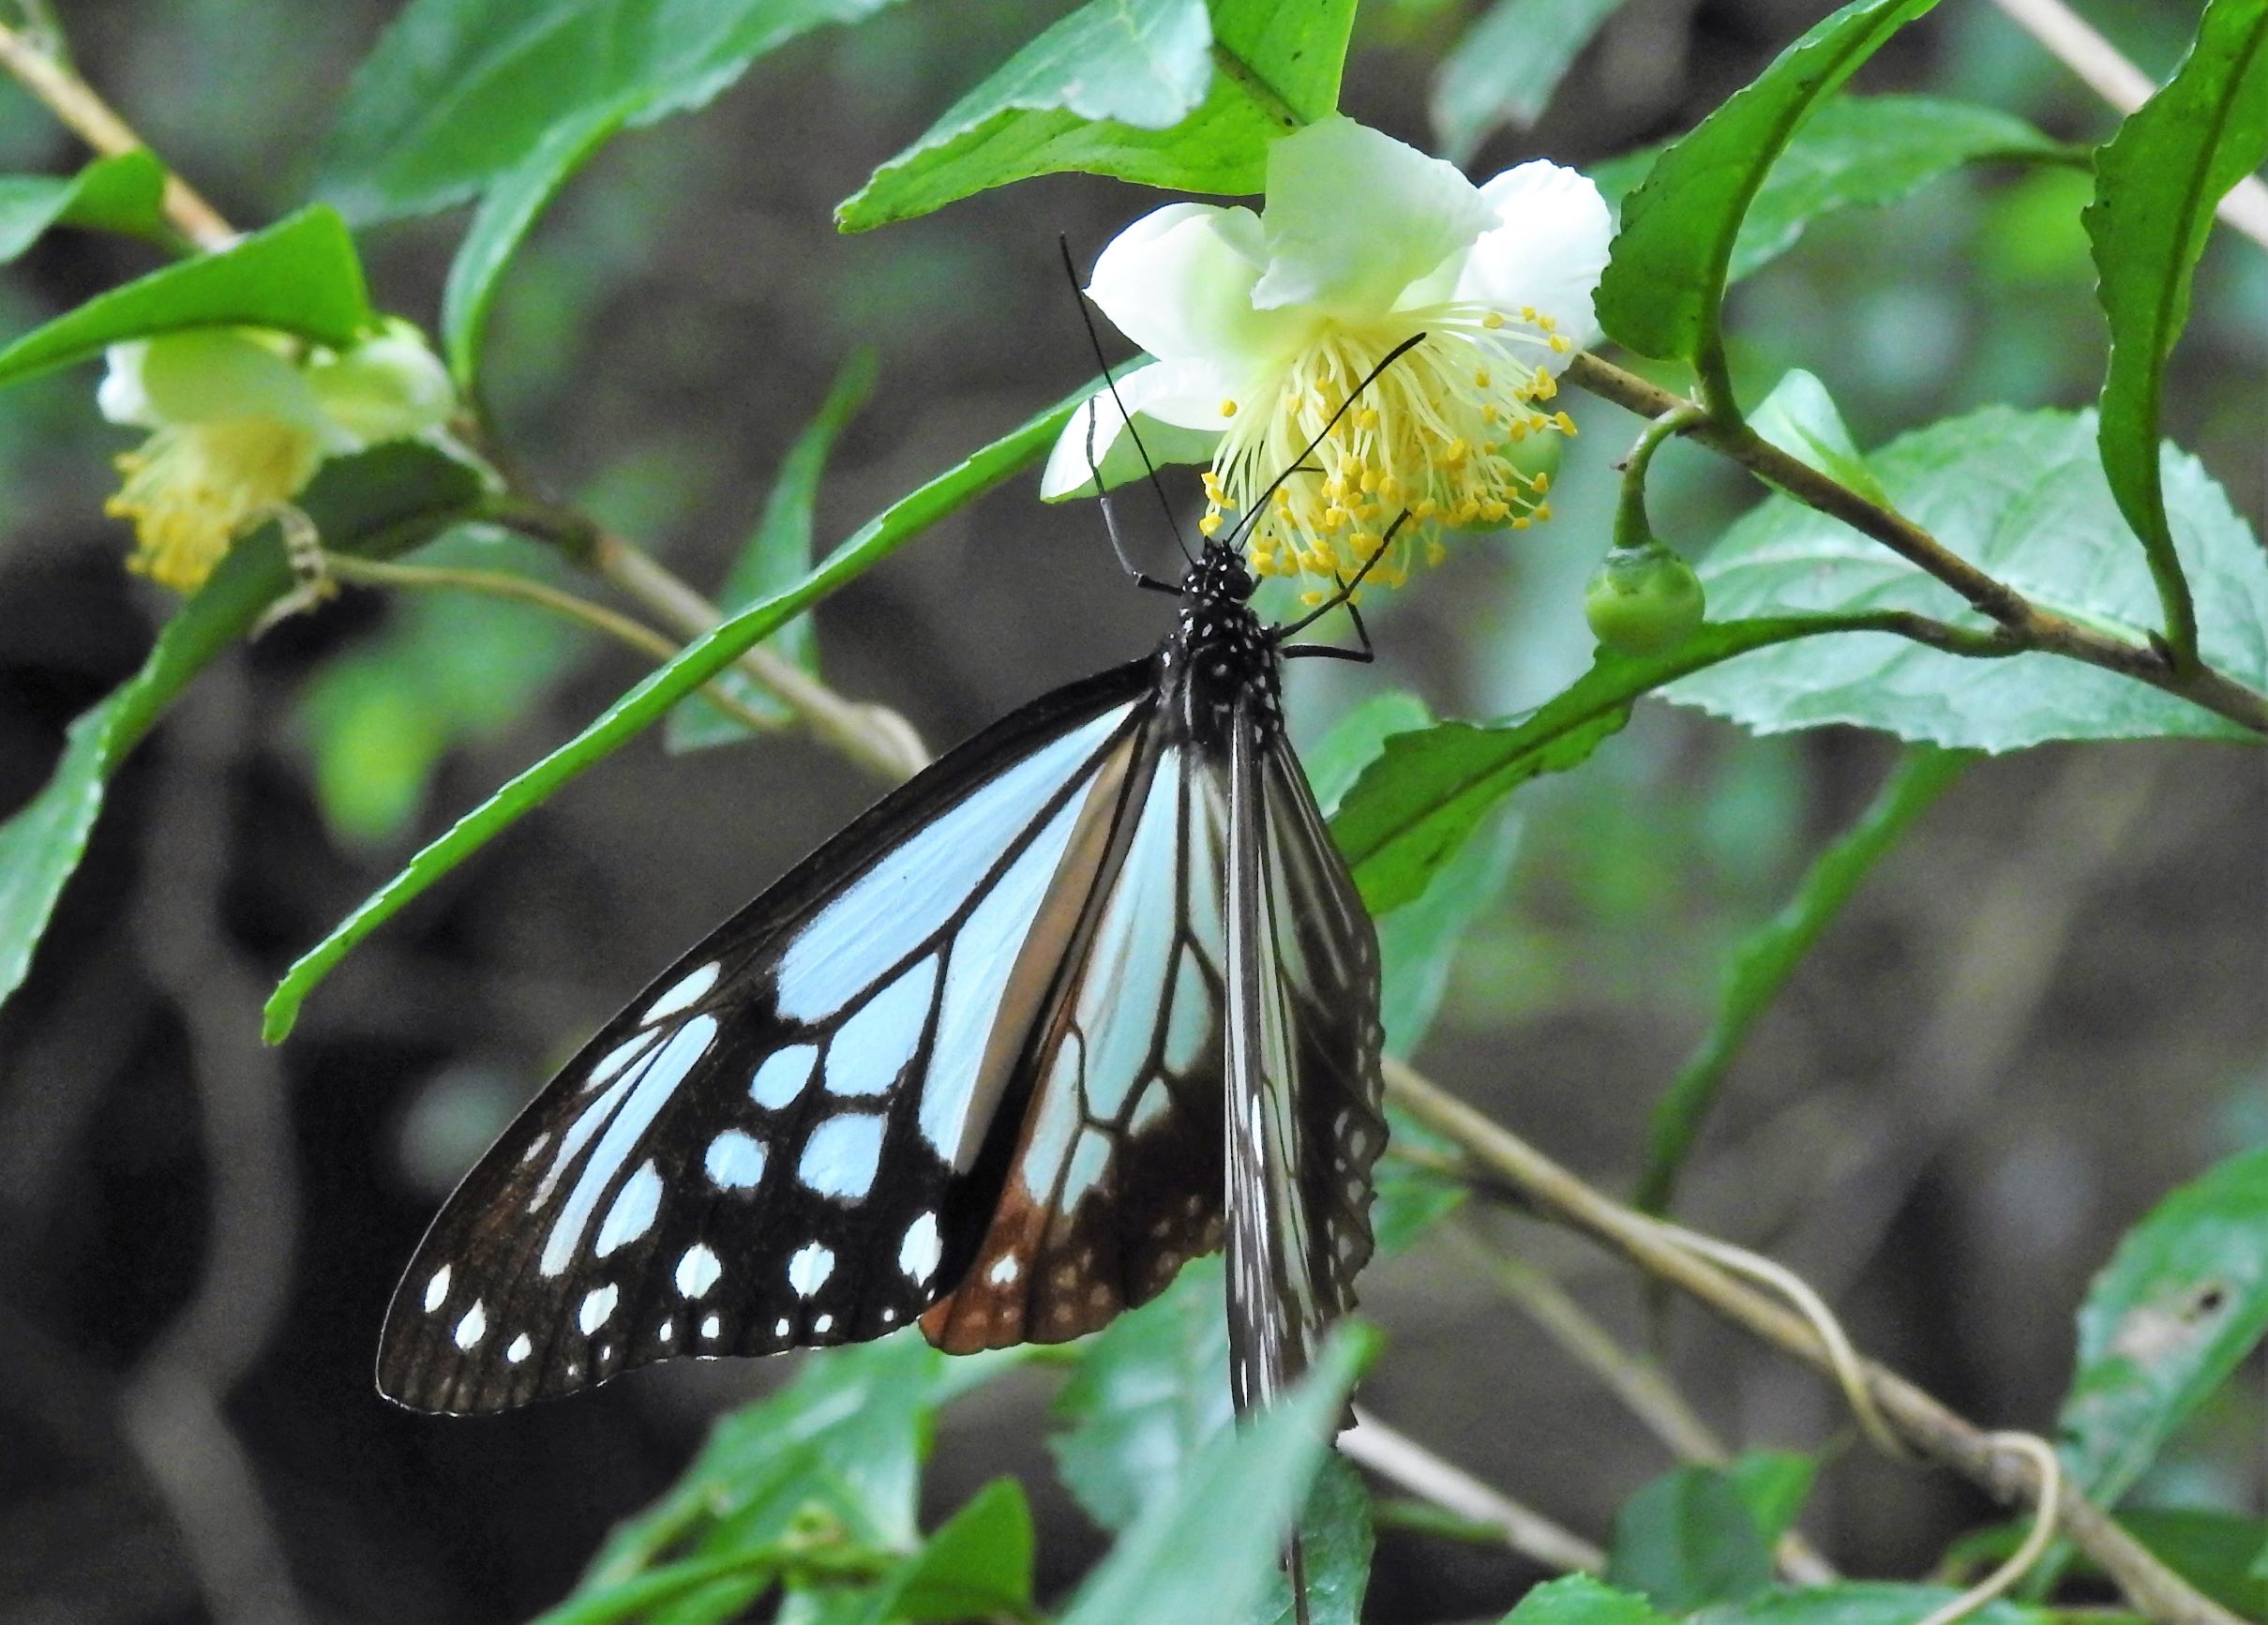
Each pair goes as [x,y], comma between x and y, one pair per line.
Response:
[1262,328]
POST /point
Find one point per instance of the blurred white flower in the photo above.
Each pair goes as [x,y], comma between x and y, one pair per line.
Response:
[240,420]
[1261,325]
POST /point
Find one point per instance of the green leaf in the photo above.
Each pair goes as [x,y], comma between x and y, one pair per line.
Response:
[376,503]
[1687,1540]
[2020,495]
[1663,288]
[123,193]
[1774,1485]
[778,555]
[1082,94]
[1862,1603]
[1761,967]
[1411,1200]
[457,93]
[1204,1553]
[843,1442]
[1855,152]
[2219,1553]
[1416,943]
[977,1566]
[1336,1541]
[503,219]
[1580,1599]
[1505,67]
[652,698]
[2157,184]
[2180,1304]
[1800,418]
[1416,807]
[300,275]
[1152,1391]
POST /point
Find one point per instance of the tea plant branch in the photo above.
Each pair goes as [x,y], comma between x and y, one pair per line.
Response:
[872,736]
[1927,1425]
[521,589]
[1402,1460]
[42,67]
[2022,624]
[2073,41]
[1639,1383]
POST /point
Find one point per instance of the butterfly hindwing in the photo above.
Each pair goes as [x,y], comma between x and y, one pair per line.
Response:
[784,1140]
[1305,1120]
[1116,1174]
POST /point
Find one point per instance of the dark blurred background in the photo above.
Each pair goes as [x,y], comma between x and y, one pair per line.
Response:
[2039,1015]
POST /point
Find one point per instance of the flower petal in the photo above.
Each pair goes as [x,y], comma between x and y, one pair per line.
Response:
[1178,282]
[203,375]
[1176,408]
[1354,217]
[1545,252]
[389,387]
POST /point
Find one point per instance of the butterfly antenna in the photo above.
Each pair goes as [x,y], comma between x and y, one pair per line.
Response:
[1346,592]
[1094,342]
[1299,464]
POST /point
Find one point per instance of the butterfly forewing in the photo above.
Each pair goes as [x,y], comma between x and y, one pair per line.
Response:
[784,1142]
[1304,1122]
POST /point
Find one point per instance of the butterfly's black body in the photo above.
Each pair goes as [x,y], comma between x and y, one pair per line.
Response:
[1089,995]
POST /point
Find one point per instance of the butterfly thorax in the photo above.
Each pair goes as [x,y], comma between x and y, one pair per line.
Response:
[1219,654]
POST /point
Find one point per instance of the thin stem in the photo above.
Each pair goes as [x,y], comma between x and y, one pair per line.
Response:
[2070,40]
[1924,1422]
[2023,626]
[1631,527]
[500,584]
[874,737]
[1402,1460]
[48,75]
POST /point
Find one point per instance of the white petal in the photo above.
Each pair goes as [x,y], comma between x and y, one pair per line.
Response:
[203,375]
[1178,282]
[1355,217]
[122,398]
[385,388]
[1176,408]
[1547,250]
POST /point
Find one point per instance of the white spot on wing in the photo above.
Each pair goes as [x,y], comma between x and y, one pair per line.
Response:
[632,1214]
[599,1304]
[521,1350]
[472,1328]
[842,1156]
[682,996]
[1003,1271]
[436,1290]
[697,1271]
[735,1161]
[907,897]
[918,1254]
[808,1270]
[782,1075]
[823,1325]
[710,1326]
[873,1046]
[650,1086]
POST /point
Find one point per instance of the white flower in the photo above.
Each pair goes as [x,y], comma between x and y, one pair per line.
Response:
[1262,325]
[241,419]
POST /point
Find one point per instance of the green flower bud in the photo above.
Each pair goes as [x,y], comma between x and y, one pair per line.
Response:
[1643,600]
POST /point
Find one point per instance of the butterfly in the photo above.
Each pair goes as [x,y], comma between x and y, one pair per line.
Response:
[1089,996]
